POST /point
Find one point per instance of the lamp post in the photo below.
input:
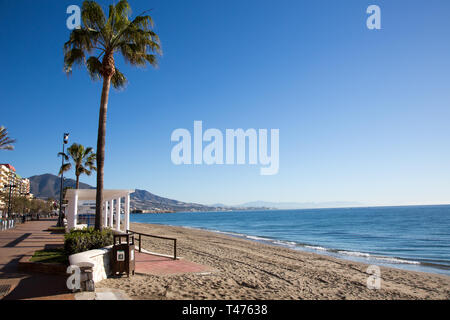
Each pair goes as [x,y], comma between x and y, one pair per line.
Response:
[60,218]
[25,195]
[10,186]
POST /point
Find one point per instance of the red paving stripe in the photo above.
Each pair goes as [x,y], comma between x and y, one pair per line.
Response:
[156,265]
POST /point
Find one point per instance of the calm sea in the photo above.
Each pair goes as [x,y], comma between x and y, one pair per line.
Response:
[411,237]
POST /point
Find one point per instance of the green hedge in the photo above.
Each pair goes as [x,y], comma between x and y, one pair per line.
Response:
[87,239]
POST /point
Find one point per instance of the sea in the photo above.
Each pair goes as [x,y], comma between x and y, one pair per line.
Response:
[407,237]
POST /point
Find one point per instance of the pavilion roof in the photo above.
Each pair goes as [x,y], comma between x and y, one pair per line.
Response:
[90,194]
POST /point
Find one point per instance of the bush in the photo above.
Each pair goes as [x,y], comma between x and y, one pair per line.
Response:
[87,239]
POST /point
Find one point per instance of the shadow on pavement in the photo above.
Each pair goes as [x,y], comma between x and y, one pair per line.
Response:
[40,286]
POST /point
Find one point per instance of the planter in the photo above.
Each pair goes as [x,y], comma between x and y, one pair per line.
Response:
[25,265]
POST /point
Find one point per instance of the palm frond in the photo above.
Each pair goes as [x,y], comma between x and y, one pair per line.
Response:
[83,38]
[71,57]
[5,141]
[123,8]
[66,157]
[92,15]
[64,168]
[118,80]
[94,67]
[134,39]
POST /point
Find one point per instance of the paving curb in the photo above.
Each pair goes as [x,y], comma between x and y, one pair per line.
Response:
[25,265]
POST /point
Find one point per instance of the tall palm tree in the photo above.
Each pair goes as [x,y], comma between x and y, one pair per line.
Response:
[101,37]
[5,141]
[83,159]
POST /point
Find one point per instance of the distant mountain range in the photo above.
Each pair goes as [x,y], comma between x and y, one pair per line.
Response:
[48,186]
[146,201]
[301,205]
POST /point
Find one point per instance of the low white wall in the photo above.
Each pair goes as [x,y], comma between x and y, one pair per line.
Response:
[98,260]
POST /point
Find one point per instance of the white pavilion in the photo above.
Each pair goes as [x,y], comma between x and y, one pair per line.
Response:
[111,207]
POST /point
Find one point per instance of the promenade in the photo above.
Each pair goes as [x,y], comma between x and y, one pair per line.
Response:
[22,241]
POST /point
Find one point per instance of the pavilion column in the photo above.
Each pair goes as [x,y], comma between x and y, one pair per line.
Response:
[118,214]
[127,212]
[105,214]
[75,209]
[69,214]
[111,213]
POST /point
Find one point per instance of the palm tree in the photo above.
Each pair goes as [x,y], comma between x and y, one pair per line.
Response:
[5,141]
[83,159]
[101,38]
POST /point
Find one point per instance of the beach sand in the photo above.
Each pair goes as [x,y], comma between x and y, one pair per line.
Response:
[250,270]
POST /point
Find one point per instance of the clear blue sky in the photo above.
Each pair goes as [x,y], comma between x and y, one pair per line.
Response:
[363,115]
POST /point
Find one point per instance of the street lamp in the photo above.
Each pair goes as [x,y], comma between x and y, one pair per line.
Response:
[10,186]
[60,218]
[24,194]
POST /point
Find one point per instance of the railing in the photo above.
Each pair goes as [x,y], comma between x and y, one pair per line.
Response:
[158,237]
[6,224]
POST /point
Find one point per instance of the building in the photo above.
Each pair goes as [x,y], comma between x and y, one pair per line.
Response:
[9,177]
[81,208]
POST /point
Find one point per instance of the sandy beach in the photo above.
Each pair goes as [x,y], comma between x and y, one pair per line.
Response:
[246,269]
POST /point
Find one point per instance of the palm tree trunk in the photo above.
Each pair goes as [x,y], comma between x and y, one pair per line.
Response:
[101,152]
[77,186]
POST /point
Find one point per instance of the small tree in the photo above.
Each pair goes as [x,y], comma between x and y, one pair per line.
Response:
[83,160]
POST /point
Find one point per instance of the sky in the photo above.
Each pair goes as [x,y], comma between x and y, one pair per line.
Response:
[363,115]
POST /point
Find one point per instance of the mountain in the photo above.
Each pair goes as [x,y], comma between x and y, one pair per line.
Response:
[301,205]
[48,186]
[146,201]
[219,205]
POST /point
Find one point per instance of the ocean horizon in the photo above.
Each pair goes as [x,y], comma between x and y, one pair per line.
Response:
[413,238]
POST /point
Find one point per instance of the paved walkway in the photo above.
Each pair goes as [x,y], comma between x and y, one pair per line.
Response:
[158,265]
[23,241]
[26,238]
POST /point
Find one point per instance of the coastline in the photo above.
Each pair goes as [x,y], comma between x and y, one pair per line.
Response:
[246,269]
[355,256]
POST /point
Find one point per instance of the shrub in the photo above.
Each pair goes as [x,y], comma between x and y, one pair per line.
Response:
[87,239]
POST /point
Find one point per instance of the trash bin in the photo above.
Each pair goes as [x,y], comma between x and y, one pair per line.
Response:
[122,258]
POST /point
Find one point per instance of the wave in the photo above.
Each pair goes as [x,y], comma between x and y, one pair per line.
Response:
[375,257]
[316,248]
[366,257]
[292,244]
[295,245]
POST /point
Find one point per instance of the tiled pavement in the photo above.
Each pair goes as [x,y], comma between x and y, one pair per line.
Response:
[157,265]
[23,241]
[31,236]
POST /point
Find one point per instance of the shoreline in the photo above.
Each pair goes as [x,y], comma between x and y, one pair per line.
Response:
[246,269]
[364,252]
[347,255]
[237,209]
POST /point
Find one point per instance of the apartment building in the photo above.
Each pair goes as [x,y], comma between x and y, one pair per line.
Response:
[9,177]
